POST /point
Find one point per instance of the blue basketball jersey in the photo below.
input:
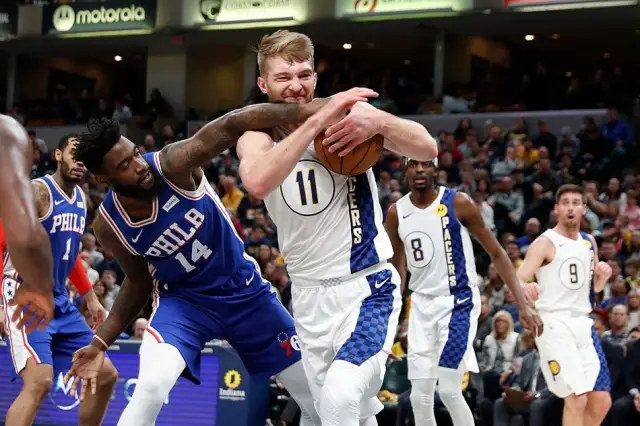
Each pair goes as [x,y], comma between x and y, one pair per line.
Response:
[188,240]
[64,222]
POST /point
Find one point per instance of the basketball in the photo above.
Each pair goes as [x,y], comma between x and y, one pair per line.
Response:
[358,161]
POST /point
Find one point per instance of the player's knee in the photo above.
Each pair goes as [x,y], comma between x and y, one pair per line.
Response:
[576,403]
[420,398]
[38,387]
[152,389]
[599,403]
[339,396]
[108,376]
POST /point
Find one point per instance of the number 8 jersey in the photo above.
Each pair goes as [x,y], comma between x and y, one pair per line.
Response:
[438,249]
[566,282]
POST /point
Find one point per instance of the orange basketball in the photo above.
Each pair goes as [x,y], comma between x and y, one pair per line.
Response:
[358,161]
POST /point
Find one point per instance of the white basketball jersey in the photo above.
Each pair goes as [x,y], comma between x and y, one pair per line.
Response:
[329,225]
[565,283]
[437,246]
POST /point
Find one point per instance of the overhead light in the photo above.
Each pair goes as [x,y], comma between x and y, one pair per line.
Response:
[606,55]
[407,61]
[487,11]
[346,46]
[555,36]
[529,37]
[117,58]
[568,74]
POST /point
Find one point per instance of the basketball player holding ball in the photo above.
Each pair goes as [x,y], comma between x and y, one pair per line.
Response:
[346,297]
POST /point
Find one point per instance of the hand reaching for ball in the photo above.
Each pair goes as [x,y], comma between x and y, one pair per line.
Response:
[361,124]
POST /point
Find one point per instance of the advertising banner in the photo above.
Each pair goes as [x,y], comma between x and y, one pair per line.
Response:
[388,7]
[227,395]
[233,11]
[8,18]
[112,15]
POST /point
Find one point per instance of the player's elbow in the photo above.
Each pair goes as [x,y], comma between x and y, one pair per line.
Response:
[427,148]
[254,184]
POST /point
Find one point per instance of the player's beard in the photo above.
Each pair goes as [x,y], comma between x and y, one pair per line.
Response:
[65,171]
[138,192]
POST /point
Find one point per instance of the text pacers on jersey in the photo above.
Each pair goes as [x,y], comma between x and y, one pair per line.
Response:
[448,251]
[354,212]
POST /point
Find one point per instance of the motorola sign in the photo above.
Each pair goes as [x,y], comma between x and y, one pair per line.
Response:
[117,15]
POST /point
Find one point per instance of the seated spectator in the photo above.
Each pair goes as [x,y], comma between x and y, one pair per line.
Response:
[626,409]
[139,327]
[232,194]
[122,113]
[537,401]
[633,308]
[505,166]
[485,323]
[508,205]
[618,293]
[531,232]
[618,322]
[498,353]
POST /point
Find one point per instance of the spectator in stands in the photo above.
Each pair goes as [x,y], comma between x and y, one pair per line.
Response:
[546,176]
[617,132]
[109,279]
[508,205]
[122,112]
[527,154]
[485,210]
[618,321]
[531,232]
[545,138]
[631,210]
[633,308]
[569,144]
[485,323]
[498,353]
[506,165]
[232,194]
[139,327]
[495,143]
[38,142]
[536,400]
[89,245]
[150,143]
[626,409]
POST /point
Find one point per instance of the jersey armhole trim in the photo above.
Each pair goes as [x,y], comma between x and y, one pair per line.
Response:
[50,210]
[115,229]
[190,195]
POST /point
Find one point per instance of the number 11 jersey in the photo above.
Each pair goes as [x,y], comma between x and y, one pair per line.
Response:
[188,240]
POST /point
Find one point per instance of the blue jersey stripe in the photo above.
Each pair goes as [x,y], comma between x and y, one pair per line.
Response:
[363,224]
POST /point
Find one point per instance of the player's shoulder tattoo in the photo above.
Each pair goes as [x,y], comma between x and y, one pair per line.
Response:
[43,197]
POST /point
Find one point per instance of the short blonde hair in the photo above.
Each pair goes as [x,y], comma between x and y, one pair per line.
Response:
[291,46]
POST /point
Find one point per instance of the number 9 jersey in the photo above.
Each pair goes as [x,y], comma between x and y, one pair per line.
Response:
[329,225]
[566,282]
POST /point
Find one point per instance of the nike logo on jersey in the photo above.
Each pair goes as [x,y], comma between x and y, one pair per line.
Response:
[562,245]
[407,215]
[250,280]
[380,284]
[135,240]
[57,203]
[461,301]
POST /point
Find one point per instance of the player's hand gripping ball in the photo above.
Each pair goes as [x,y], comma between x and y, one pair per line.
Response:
[356,162]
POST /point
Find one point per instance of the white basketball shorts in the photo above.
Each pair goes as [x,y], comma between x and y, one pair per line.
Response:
[441,333]
[354,320]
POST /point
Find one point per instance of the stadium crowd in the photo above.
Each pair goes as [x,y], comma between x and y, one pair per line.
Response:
[512,174]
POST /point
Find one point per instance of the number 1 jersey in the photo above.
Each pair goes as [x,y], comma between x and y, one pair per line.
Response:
[188,240]
[64,222]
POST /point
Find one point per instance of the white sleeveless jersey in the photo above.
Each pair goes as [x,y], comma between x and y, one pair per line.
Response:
[437,246]
[329,225]
[566,282]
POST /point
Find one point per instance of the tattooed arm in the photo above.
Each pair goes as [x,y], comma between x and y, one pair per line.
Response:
[134,292]
[180,160]
[27,241]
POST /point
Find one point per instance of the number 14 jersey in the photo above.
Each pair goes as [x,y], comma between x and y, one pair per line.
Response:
[437,247]
[188,240]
